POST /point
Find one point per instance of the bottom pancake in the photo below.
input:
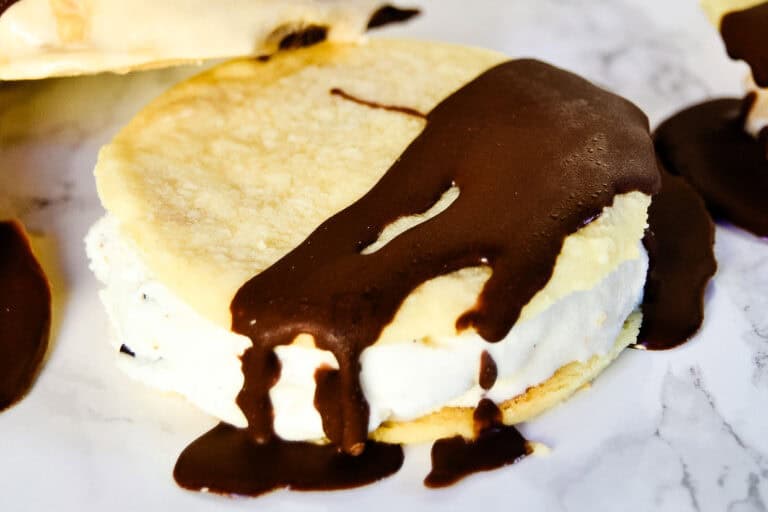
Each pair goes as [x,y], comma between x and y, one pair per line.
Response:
[451,421]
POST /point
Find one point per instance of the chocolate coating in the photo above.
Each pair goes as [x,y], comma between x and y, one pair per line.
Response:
[680,246]
[745,34]
[226,461]
[25,314]
[6,4]
[495,445]
[536,153]
[707,145]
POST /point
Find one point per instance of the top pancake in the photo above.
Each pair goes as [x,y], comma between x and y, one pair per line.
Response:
[226,173]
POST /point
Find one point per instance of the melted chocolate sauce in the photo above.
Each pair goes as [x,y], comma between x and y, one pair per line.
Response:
[680,245]
[6,4]
[495,445]
[372,104]
[25,314]
[387,14]
[227,461]
[535,151]
[707,145]
[745,34]
[488,371]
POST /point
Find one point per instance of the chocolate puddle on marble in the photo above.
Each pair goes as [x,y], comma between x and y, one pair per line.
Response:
[25,314]
[707,145]
[495,445]
[227,461]
[471,141]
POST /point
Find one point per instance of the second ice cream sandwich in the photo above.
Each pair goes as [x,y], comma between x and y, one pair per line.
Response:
[43,38]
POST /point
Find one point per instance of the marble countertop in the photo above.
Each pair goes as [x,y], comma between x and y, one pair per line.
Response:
[682,430]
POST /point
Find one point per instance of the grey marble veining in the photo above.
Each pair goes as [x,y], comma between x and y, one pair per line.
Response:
[683,430]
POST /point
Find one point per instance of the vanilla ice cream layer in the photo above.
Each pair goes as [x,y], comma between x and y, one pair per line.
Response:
[404,375]
[40,38]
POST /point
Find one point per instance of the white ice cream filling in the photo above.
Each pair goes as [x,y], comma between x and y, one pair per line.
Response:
[176,349]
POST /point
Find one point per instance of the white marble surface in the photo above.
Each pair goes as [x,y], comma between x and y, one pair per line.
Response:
[684,430]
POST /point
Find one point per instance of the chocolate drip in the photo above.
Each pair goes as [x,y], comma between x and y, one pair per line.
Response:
[495,445]
[387,14]
[25,314]
[679,242]
[226,461]
[707,145]
[745,34]
[488,371]
[536,153]
[6,4]
[373,104]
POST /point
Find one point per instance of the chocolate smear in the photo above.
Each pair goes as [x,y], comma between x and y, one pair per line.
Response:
[25,314]
[372,104]
[227,461]
[745,33]
[6,4]
[535,152]
[307,36]
[495,445]
[708,146]
[488,371]
[387,14]
[680,247]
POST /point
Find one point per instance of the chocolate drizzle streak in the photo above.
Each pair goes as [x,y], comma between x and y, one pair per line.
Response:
[495,445]
[226,461]
[679,242]
[745,34]
[707,145]
[25,314]
[387,14]
[373,104]
[6,4]
[535,151]
[488,371]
